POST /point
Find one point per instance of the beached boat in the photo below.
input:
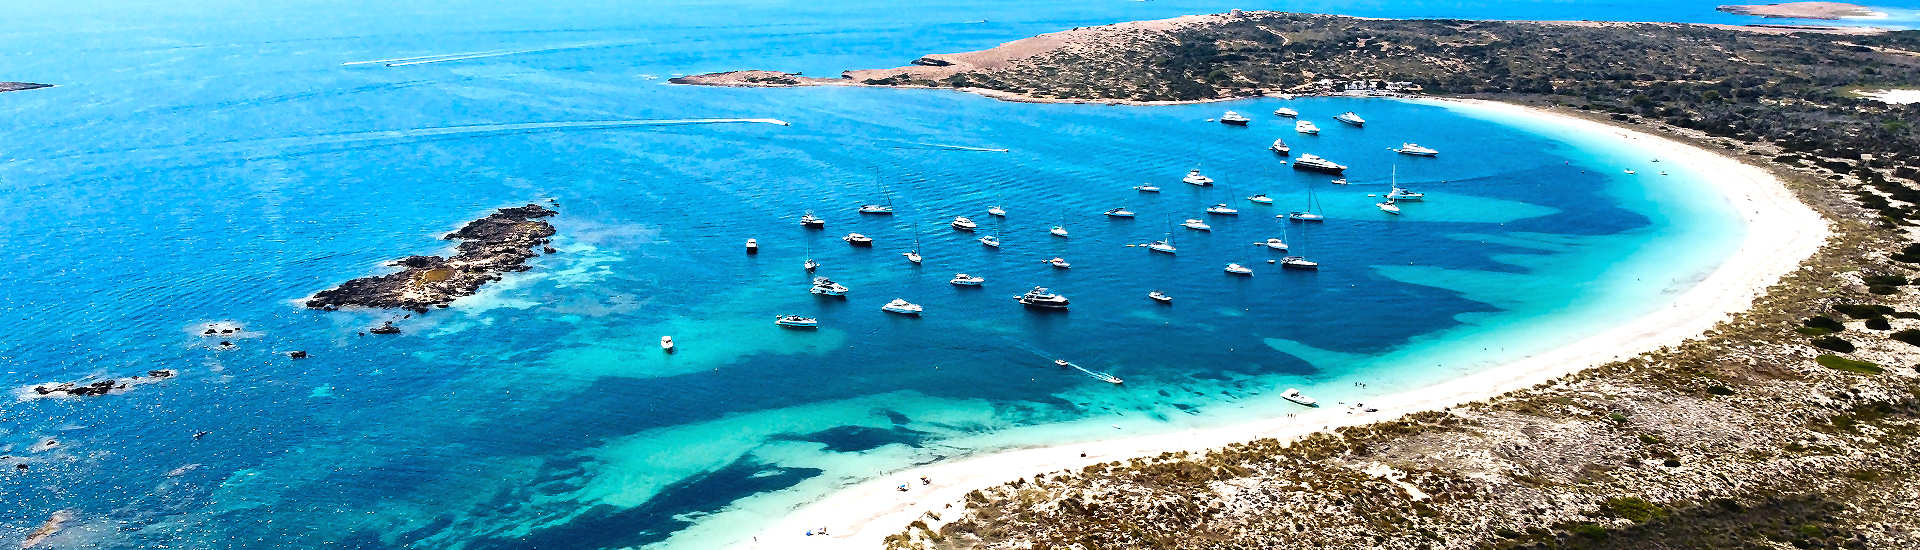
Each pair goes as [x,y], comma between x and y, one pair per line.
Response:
[666,344]
[990,241]
[963,223]
[1294,395]
[1196,225]
[1241,270]
[902,307]
[1350,118]
[1159,296]
[1286,112]
[796,321]
[1194,177]
[753,246]
[1274,243]
[1058,231]
[1306,127]
[1313,163]
[1231,118]
[1414,149]
[1119,213]
[811,221]
[962,279]
[996,211]
[1147,188]
[1222,210]
[1041,298]
[1059,263]
[857,239]
[1280,147]
[1260,199]
[826,287]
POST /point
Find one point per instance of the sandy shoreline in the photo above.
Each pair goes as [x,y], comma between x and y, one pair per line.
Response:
[1781,232]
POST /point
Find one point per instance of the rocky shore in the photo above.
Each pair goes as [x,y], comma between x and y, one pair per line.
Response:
[1800,10]
[18,86]
[489,247]
[95,388]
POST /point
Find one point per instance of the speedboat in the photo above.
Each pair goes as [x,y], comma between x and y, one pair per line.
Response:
[811,221]
[1260,199]
[991,241]
[1060,263]
[1306,217]
[1274,243]
[1388,207]
[1231,118]
[1403,194]
[1287,112]
[1120,213]
[796,321]
[857,239]
[753,246]
[1294,395]
[964,224]
[902,307]
[1040,298]
[1298,262]
[1197,225]
[666,344]
[1161,297]
[1339,181]
[912,256]
[876,209]
[826,287]
[1630,172]
[1194,177]
[1411,148]
[1314,163]
[1222,210]
[1058,231]
[996,211]
[1147,188]
[1280,147]
[1350,118]
[812,265]
[1161,246]
[962,279]
[1306,127]
[1238,269]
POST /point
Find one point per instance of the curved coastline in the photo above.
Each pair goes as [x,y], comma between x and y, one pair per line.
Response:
[1781,233]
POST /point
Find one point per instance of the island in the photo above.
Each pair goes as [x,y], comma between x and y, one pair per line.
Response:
[1775,405]
[18,86]
[1801,10]
[499,243]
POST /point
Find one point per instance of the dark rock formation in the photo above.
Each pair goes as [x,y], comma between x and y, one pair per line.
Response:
[499,243]
[99,387]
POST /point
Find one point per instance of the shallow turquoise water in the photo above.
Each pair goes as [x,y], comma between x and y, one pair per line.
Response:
[218,162]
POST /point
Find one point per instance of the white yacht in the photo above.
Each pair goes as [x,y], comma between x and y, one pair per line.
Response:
[1231,118]
[857,239]
[1306,217]
[902,307]
[1299,262]
[811,221]
[1120,213]
[1287,112]
[1147,188]
[1294,395]
[876,209]
[1260,199]
[1222,210]
[963,223]
[1274,243]
[962,279]
[1313,163]
[990,241]
[1280,147]
[826,287]
[1237,269]
[1350,118]
[1403,194]
[1161,297]
[1411,148]
[1388,206]
[1060,263]
[1194,177]
[1058,231]
[1041,298]
[796,321]
[1306,127]
[1164,246]
[1196,225]
[996,211]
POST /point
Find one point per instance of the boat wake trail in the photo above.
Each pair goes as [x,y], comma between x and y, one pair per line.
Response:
[941,146]
[449,57]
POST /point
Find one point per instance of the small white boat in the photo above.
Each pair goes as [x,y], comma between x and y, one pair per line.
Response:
[876,209]
[1305,217]
[1630,172]
[1341,181]
[811,221]
[812,265]
[1194,177]
[1280,147]
[1287,112]
[1350,118]
[1231,118]
[857,239]
[753,246]
[1120,213]
[991,241]
[1161,297]
[996,211]
[1058,231]
[1196,225]
[1260,199]
[1060,263]
[912,256]
[1294,395]
[1165,247]
[796,321]
[963,223]
[1147,188]
[1411,148]
[902,307]
[1299,262]
[1306,127]
[666,344]
[1237,269]
[1274,243]
[1388,207]
[1222,210]
[962,279]
[826,287]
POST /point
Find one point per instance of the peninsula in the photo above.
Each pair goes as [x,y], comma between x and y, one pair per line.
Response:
[1801,10]
[1772,405]
[499,243]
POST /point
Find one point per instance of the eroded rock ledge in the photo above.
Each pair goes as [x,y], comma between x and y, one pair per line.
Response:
[500,243]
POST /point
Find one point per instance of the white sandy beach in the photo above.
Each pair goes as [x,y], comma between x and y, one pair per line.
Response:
[1780,233]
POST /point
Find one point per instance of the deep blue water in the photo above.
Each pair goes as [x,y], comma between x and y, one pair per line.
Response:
[218,162]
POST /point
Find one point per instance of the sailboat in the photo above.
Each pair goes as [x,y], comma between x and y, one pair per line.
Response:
[1163,246]
[913,255]
[882,209]
[1403,194]
[1307,215]
[1298,263]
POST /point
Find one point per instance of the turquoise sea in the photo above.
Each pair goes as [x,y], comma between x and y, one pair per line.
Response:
[219,161]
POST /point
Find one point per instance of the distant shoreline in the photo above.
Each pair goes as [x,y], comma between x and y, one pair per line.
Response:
[1803,10]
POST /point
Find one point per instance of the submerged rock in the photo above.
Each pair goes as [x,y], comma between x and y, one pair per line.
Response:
[97,387]
[499,243]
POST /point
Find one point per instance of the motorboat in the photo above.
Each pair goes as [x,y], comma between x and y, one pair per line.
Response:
[666,344]
[826,287]
[1286,112]
[996,211]
[1388,207]
[964,224]
[811,221]
[876,209]
[1260,199]
[1101,376]
[1147,188]
[1294,395]
[1306,127]
[1231,118]
[1314,163]
[857,239]
[1162,246]
[1339,181]
[1040,298]
[1194,177]
[1274,243]
[902,307]
[1237,269]
[962,279]
[1161,297]
[1120,213]
[1631,172]
[796,321]
[1411,148]
[1059,263]
[812,265]
[1280,147]
[991,241]
[1222,210]
[1058,231]
[1350,118]
[753,246]
[1299,262]
[1196,225]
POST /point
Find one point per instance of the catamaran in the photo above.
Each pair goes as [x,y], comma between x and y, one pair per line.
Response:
[1411,148]
[796,321]
[1222,210]
[963,223]
[1196,225]
[1233,119]
[1280,147]
[1241,270]
[1121,212]
[1194,177]
[1287,112]
[1306,127]
[1040,298]
[902,307]
[962,279]
[1313,163]
[1350,118]
[811,221]
[857,239]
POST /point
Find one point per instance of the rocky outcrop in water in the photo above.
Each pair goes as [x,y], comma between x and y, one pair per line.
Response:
[500,243]
[98,387]
[17,86]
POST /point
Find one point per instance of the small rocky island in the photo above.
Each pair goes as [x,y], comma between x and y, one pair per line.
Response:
[500,243]
[17,86]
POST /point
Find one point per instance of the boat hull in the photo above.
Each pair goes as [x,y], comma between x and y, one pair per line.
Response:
[1324,169]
